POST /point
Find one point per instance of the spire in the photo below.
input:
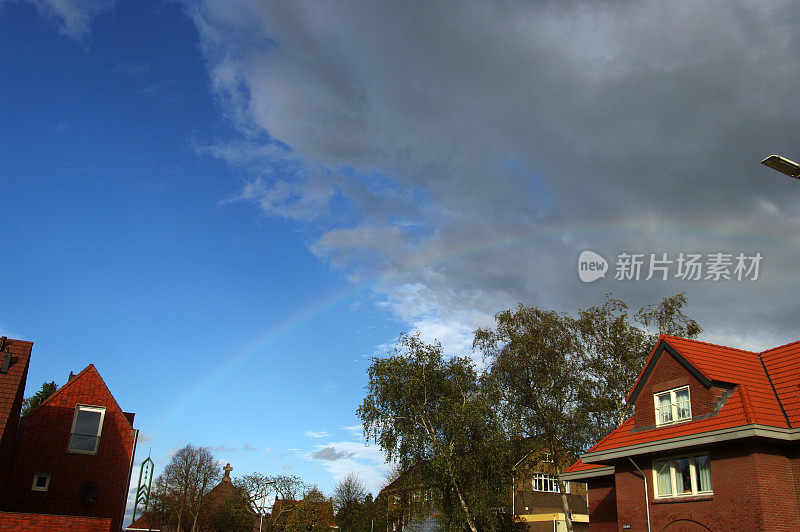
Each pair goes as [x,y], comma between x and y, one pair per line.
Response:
[227,469]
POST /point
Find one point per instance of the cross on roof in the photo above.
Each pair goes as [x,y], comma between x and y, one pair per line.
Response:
[227,470]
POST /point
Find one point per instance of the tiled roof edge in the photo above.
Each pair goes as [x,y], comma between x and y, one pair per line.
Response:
[708,343]
[779,347]
[699,438]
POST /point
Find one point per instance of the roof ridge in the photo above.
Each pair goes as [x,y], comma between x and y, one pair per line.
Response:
[779,347]
[708,343]
[746,406]
[59,390]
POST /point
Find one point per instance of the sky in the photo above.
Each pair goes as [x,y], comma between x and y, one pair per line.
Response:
[229,206]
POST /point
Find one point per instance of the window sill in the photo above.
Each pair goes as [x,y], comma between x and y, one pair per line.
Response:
[85,453]
[687,498]
[671,423]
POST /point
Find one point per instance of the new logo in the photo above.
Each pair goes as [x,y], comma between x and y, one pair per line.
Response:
[591,266]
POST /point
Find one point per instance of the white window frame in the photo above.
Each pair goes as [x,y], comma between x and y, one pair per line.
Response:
[89,408]
[673,478]
[36,477]
[550,481]
[673,405]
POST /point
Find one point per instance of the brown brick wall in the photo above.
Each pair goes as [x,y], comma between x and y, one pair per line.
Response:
[667,374]
[16,522]
[42,448]
[753,490]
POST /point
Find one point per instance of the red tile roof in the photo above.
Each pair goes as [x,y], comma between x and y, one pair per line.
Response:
[765,393]
[144,522]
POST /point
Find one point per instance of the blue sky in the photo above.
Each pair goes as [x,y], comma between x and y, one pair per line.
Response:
[229,206]
[214,324]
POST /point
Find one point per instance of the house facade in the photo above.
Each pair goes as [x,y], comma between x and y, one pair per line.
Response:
[71,457]
[713,444]
[537,505]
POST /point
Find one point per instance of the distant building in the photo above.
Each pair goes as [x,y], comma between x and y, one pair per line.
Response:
[537,503]
[713,441]
[213,508]
[534,502]
[66,465]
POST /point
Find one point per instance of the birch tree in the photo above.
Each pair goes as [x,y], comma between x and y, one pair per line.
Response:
[429,413]
[536,366]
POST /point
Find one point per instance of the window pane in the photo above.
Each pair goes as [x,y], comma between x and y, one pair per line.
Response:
[683,477]
[682,402]
[663,476]
[87,422]
[664,408]
[703,467]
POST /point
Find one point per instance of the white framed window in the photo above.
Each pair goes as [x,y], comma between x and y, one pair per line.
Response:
[682,476]
[547,483]
[87,426]
[672,406]
[41,482]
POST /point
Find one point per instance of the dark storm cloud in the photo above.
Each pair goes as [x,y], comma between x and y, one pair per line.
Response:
[481,147]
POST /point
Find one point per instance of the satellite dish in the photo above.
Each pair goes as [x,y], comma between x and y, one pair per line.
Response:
[89,493]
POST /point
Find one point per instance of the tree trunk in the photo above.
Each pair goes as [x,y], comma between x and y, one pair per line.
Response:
[565,503]
[461,500]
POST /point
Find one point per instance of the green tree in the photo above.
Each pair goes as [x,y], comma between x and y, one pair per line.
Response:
[431,413]
[562,381]
[536,368]
[234,513]
[348,502]
[29,403]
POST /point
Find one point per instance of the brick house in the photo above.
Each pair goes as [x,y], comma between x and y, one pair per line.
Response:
[537,504]
[70,459]
[534,500]
[713,442]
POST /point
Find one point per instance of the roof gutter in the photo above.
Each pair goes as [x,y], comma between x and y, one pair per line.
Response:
[753,430]
[588,473]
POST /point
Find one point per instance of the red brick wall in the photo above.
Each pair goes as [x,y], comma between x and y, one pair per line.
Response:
[42,447]
[602,504]
[52,523]
[753,490]
[667,374]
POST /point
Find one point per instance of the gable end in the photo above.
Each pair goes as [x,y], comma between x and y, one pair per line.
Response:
[664,346]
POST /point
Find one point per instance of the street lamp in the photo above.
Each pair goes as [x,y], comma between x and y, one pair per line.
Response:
[783,165]
[264,504]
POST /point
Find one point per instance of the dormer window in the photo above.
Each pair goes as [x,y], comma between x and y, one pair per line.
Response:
[672,406]
[87,425]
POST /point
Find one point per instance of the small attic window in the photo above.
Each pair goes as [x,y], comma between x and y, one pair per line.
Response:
[41,482]
[672,406]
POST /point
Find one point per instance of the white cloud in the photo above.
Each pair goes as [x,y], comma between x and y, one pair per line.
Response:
[316,434]
[341,458]
[354,430]
[73,17]
[223,448]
